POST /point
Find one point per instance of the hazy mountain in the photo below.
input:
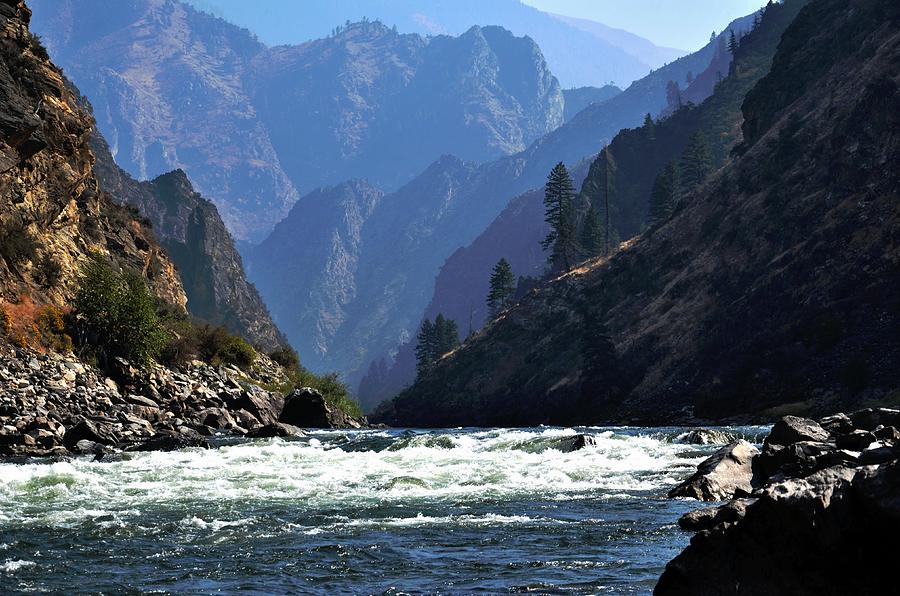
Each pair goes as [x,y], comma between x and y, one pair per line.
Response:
[579,98]
[635,45]
[773,286]
[254,126]
[579,54]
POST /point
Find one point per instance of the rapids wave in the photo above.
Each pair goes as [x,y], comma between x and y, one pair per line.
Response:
[368,511]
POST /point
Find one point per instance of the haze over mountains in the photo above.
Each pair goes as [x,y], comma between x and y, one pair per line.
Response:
[583,53]
[255,127]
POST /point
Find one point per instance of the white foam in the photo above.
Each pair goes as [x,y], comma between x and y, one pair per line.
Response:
[316,474]
[11,566]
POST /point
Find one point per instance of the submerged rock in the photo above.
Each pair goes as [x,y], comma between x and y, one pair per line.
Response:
[726,473]
[277,429]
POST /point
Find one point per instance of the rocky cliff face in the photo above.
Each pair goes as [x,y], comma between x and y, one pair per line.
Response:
[773,285]
[53,211]
[191,231]
[175,88]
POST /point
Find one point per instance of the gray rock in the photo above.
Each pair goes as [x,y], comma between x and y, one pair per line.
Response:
[792,429]
[703,436]
[856,440]
[710,517]
[726,473]
[872,418]
[278,429]
[306,408]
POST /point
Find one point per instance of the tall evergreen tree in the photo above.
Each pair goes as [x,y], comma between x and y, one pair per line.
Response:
[664,195]
[696,162]
[592,233]
[649,128]
[503,287]
[733,42]
[425,348]
[446,336]
[559,202]
[599,189]
[673,96]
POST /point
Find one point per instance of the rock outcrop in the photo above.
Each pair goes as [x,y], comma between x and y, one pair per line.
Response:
[53,211]
[820,521]
[52,404]
[189,227]
[722,475]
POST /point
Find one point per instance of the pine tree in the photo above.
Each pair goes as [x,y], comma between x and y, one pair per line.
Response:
[559,202]
[503,287]
[649,128]
[733,42]
[664,195]
[425,348]
[696,162]
[689,78]
[592,233]
[599,189]
[673,96]
[446,336]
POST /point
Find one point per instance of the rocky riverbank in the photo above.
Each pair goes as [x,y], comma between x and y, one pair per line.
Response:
[54,405]
[816,512]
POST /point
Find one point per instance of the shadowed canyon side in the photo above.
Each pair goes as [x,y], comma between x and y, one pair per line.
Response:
[190,229]
[771,286]
[55,212]
[639,155]
[252,126]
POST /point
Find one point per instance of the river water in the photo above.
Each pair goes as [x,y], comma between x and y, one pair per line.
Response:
[451,511]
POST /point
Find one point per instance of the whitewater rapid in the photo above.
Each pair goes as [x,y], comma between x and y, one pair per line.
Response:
[353,490]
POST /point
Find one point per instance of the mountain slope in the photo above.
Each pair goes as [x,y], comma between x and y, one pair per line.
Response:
[254,127]
[774,286]
[53,212]
[190,229]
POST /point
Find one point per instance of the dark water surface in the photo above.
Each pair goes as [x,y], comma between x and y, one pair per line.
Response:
[451,511]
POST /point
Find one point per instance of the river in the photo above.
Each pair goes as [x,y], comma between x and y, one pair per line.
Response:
[380,512]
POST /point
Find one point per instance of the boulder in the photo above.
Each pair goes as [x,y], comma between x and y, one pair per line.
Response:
[837,424]
[88,430]
[871,418]
[856,440]
[798,459]
[828,534]
[726,473]
[307,408]
[710,517]
[278,429]
[792,429]
[217,418]
[265,407]
[171,441]
[703,436]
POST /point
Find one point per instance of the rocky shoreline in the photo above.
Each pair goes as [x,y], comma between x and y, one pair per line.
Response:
[54,405]
[816,512]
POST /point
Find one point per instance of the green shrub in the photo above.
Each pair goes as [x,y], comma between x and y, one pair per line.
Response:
[116,313]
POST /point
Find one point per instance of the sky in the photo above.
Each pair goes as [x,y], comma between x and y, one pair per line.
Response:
[681,24]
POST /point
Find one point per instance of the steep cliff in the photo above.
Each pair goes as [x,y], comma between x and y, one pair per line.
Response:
[192,232]
[773,286]
[54,212]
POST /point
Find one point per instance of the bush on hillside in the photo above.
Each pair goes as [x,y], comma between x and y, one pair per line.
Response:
[116,314]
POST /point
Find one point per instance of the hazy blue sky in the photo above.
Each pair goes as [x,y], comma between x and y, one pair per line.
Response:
[682,24]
